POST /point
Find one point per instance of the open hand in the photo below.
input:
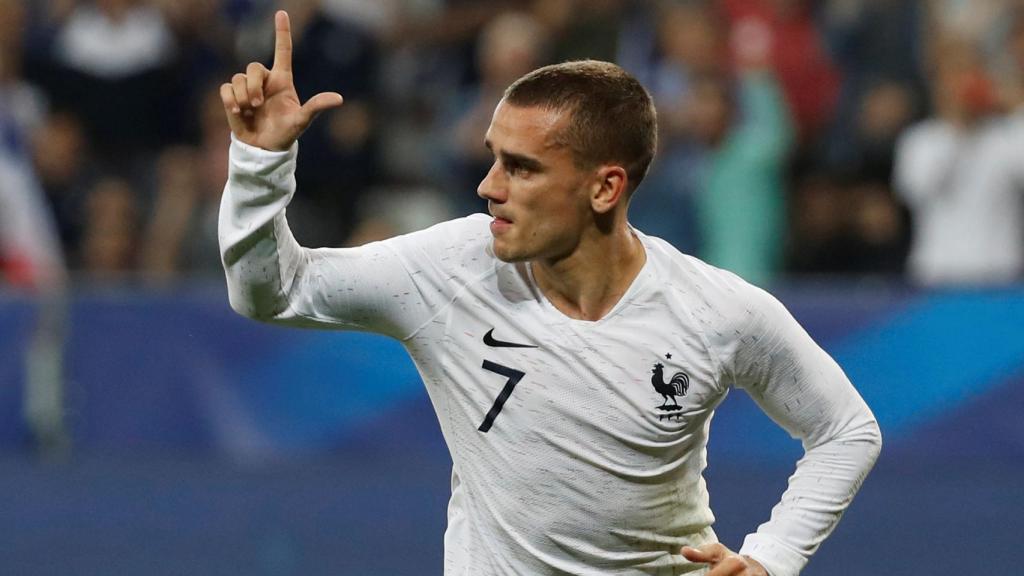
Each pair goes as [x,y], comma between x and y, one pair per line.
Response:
[724,562]
[262,106]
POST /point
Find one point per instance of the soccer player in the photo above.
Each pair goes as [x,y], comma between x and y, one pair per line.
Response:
[574,363]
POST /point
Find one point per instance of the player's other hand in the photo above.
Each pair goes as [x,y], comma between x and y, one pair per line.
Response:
[262,106]
[724,562]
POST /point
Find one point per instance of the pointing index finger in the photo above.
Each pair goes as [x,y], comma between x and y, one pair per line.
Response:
[283,42]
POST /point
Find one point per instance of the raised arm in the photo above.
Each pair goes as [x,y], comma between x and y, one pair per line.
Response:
[270,277]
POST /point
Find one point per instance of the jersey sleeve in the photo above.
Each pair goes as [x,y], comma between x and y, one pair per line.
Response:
[801,388]
[391,287]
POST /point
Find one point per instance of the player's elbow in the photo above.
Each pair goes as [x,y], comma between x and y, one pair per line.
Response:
[868,436]
[251,303]
[861,440]
[240,305]
[875,439]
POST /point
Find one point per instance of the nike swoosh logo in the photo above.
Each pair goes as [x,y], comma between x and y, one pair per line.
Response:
[490,341]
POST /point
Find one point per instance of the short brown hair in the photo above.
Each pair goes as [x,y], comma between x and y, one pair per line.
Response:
[612,115]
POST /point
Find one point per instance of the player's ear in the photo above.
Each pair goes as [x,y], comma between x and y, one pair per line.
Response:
[609,188]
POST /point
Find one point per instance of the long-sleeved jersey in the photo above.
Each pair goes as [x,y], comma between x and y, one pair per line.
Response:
[577,447]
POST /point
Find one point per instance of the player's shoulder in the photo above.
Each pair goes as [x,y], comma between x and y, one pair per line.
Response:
[461,244]
[689,273]
[468,229]
[719,298]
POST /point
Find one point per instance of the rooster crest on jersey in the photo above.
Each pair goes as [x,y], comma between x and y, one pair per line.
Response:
[677,385]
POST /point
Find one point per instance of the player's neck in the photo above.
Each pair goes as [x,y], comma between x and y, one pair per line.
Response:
[589,283]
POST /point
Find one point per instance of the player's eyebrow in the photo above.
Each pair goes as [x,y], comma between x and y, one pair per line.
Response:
[515,159]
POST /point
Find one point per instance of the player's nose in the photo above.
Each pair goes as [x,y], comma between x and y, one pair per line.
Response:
[493,186]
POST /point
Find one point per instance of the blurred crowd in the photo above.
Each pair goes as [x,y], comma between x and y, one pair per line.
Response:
[852,137]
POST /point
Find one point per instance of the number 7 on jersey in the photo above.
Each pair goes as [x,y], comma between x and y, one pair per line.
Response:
[514,376]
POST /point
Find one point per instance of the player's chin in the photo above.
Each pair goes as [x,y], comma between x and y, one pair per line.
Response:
[506,252]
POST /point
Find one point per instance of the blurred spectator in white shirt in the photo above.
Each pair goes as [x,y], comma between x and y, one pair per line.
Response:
[115,39]
[961,173]
[110,63]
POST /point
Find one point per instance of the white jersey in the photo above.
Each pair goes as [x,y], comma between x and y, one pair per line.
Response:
[577,446]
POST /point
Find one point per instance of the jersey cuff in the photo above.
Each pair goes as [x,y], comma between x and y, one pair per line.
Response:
[778,558]
[264,164]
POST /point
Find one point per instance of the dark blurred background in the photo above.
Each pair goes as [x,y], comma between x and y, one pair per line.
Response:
[862,158]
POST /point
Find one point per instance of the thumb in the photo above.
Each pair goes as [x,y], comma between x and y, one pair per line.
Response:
[317,104]
[708,553]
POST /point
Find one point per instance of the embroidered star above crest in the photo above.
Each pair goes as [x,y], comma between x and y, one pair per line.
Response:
[668,356]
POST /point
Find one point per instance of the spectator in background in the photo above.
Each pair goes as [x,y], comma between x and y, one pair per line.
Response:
[62,161]
[741,207]
[961,173]
[375,16]
[114,38]
[845,217]
[984,24]
[878,47]
[110,64]
[846,224]
[797,55]
[204,43]
[1010,72]
[879,229]
[819,228]
[181,236]
[25,107]
[691,43]
[110,238]
[581,29]
[509,46]
[430,62]
[23,104]
[726,140]
[885,109]
[30,251]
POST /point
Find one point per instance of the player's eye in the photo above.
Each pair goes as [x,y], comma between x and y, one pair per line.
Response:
[516,169]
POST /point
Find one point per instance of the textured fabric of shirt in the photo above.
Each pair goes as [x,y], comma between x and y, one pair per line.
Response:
[577,447]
